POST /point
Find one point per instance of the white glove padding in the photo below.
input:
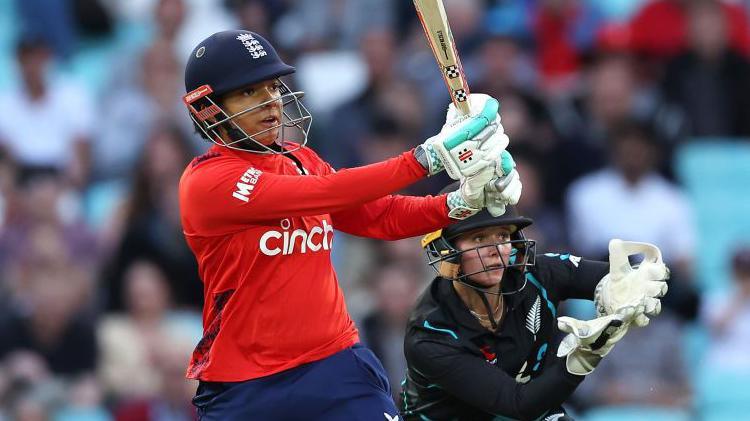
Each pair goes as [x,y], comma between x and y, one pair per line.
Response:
[633,290]
[476,104]
[470,196]
[588,341]
[467,144]
[505,188]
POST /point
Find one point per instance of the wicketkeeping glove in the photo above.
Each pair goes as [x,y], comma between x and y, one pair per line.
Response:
[588,341]
[466,144]
[633,289]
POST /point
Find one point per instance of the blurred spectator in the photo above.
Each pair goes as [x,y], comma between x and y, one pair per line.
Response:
[506,73]
[201,19]
[172,400]
[659,29]
[258,15]
[727,316]
[549,226]
[130,342]
[611,98]
[466,24]
[395,289]
[83,401]
[331,24]
[710,82]
[47,122]
[44,229]
[503,67]
[51,323]
[564,30]
[629,200]
[52,21]
[148,225]
[385,98]
[33,404]
[10,202]
[134,110]
[384,140]
[169,15]
[92,18]
[625,377]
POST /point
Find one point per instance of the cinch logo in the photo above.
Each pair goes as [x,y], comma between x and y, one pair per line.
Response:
[246,184]
[286,242]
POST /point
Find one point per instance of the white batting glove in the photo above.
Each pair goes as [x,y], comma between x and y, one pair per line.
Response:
[470,196]
[466,144]
[504,188]
[633,290]
[588,341]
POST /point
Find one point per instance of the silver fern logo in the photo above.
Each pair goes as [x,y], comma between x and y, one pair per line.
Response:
[534,317]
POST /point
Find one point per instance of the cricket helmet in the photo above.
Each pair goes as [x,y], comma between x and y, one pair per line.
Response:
[445,258]
[230,60]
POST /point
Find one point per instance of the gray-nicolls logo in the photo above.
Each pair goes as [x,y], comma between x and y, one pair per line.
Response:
[252,45]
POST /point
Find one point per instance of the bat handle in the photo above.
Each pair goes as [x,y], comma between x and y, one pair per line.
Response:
[462,106]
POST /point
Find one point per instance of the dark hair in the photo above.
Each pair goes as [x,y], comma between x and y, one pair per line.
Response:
[141,199]
[32,42]
[635,129]
[741,259]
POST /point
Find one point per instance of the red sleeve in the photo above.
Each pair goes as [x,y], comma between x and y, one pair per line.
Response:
[739,29]
[225,196]
[394,217]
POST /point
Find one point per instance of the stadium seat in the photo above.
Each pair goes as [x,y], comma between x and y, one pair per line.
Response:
[716,174]
[8,29]
[722,395]
[695,341]
[635,413]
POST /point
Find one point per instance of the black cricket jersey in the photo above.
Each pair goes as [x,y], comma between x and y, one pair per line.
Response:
[459,370]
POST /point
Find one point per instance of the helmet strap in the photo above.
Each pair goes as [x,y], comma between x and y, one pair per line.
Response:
[448,270]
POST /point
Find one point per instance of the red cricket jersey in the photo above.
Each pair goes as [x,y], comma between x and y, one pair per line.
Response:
[262,233]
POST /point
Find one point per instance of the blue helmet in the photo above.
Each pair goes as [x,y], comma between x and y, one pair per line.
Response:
[230,60]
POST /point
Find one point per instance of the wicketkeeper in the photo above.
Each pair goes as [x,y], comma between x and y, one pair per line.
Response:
[483,340]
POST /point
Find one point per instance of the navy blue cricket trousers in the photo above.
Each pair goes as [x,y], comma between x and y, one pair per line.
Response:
[350,385]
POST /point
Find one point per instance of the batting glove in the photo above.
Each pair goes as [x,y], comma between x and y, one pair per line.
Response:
[588,341]
[504,188]
[470,196]
[466,144]
[633,289]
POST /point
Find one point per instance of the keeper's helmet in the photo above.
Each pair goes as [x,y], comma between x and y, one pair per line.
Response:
[445,258]
[230,60]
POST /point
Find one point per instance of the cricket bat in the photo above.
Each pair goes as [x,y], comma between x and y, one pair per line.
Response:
[435,24]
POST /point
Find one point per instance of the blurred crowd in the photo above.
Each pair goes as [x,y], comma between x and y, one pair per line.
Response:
[100,295]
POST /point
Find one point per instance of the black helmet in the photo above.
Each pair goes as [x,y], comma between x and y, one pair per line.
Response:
[230,60]
[445,258]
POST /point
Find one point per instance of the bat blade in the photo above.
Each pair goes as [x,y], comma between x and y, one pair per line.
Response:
[438,32]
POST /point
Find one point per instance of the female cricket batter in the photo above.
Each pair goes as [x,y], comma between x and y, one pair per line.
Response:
[259,212]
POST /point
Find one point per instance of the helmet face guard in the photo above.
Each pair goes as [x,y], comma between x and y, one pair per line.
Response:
[209,116]
[445,259]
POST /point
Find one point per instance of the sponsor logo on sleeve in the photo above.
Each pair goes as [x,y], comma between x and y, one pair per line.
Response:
[246,184]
